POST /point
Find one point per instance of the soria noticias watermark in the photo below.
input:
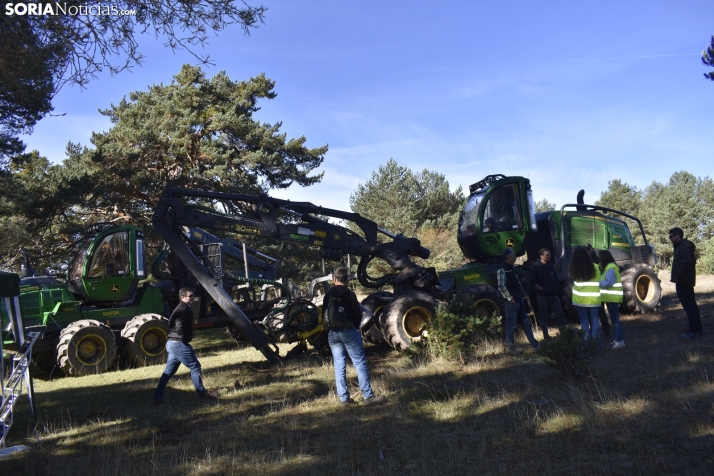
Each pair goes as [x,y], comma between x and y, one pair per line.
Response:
[57,8]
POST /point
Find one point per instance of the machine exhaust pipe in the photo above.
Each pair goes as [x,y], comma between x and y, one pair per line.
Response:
[581,194]
[26,270]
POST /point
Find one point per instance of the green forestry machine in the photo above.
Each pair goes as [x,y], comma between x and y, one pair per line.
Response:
[106,307]
[499,213]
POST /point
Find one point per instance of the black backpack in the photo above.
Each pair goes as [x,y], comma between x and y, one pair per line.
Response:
[335,315]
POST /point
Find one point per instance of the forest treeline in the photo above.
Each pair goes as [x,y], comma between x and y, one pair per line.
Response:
[199,132]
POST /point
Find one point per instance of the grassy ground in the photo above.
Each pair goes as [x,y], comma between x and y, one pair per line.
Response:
[646,409]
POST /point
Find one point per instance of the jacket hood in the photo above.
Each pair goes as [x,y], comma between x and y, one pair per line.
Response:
[339,291]
[687,244]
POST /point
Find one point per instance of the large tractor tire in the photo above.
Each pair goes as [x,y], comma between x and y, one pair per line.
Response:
[375,303]
[641,288]
[404,318]
[144,339]
[86,347]
[45,360]
[487,299]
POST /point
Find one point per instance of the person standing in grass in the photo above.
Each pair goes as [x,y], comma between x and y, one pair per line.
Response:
[509,284]
[545,281]
[684,275]
[179,349]
[604,324]
[341,316]
[586,292]
[611,294]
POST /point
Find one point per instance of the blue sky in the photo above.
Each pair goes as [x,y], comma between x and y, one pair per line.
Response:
[570,94]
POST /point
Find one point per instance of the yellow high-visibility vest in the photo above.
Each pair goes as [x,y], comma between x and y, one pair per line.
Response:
[614,292]
[587,293]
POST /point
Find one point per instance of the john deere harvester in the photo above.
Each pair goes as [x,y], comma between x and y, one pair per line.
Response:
[500,213]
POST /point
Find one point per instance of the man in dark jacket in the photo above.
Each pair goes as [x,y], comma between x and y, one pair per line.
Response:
[179,349]
[545,281]
[684,276]
[509,284]
[341,316]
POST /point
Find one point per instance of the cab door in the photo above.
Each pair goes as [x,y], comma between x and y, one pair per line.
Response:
[502,220]
[114,267]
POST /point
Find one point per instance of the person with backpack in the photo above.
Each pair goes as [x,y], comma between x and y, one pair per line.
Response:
[611,294]
[341,317]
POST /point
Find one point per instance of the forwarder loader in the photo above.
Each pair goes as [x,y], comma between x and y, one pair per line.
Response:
[106,308]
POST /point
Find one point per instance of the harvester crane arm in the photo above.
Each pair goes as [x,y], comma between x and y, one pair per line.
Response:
[265,216]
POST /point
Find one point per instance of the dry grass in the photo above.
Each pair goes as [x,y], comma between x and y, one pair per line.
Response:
[646,409]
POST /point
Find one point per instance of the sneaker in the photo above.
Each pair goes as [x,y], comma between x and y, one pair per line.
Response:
[376,400]
[618,345]
[159,401]
[535,345]
[690,335]
[347,402]
[208,395]
[513,350]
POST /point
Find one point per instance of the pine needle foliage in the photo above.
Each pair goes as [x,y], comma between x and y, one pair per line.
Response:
[570,352]
[456,328]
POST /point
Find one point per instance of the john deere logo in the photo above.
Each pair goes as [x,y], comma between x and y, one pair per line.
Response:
[510,243]
[114,288]
[336,237]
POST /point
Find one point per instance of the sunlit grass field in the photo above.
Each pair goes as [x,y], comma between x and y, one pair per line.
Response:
[645,409]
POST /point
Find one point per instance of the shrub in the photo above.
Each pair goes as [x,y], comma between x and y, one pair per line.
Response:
[456,328]
[570,352]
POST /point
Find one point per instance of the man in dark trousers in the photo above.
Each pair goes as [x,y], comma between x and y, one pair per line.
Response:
[341,316]
[684,276]
[604,321]
[179,349]
[545,281]
[509,284]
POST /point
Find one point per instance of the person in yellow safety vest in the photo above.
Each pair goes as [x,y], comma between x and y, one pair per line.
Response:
[611,294]
[586,292]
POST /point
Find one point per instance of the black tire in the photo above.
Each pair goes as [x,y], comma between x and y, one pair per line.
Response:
[144,339]
[641,288]
[487,299]
[375,303]
[45,361]
[402,320]
[86,347]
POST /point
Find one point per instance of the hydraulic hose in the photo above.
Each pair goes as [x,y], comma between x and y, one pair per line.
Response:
[366,280]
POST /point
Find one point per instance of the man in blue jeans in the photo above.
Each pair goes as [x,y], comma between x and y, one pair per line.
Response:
[509,284]
[179,349]
[341,316]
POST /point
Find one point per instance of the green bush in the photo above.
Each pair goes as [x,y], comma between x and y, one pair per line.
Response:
[570,352]
[456,328]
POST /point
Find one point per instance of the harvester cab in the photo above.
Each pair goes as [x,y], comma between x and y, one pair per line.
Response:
[109,265]
[498,214]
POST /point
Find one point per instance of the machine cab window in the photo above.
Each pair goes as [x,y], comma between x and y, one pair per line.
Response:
[469,217]
[502,211]
[111,257]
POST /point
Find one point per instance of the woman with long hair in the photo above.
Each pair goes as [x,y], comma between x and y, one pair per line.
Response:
[586,292]
[611,294]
